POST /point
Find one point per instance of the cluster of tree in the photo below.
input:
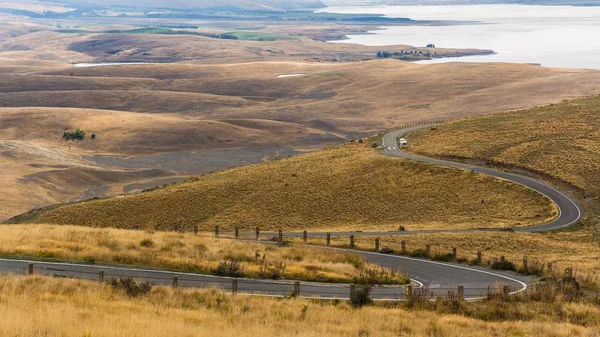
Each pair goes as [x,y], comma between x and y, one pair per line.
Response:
[387,54]
[431,45]
[74,135]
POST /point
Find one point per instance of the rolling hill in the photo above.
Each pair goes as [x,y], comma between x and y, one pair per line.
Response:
[352,186]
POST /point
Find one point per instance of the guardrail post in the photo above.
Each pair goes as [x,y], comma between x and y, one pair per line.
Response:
[296,289]
[403,245]
[454,254]
[479,256]
[461,293]
[280,235]
[234,286]
[101,276]
[305,236]
[506,290]
[175,282]
[195,229]
[30,269]
[257,233]
[428,249]
[236,232]
[217,230]
[377,244]
[352,291]
[329,239]
[351,241]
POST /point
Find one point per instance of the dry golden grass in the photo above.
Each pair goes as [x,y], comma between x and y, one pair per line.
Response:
[575,249]
[561,141]
[179,252]
[37,306]
[351,186]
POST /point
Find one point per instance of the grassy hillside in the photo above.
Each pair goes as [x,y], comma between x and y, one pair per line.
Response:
[345,187]
[561,141]
[185,252]
[36,306]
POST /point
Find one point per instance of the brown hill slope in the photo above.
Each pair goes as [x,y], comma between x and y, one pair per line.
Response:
[346,187]
[560,140]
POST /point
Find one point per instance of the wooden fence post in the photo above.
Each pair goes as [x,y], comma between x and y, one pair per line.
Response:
[506,290]
[329,239]
[428,249]
[305,236]
[403,245]
[352,291]
[217,230]
[195,229]
[101,276]
[377,244]
[234,286]
[280,235]
[525,266]
[461,293]
[549,267]
[502,258]
[351,241]
[454,254]
[175,282]
[30,269]
[479,256]
[408,291]
[257,233]
[236,232]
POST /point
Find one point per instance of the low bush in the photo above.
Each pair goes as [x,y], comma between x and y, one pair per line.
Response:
[131,287]
[418,253]
[503,265]
[443,257]
[74,135]
[230,269]
[361,296]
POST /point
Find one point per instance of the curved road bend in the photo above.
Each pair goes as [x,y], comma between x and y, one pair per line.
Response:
[438,277]
[569,211]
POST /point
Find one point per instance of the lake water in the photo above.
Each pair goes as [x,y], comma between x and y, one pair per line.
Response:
[553,36]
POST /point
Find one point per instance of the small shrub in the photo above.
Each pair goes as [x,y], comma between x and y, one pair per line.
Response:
[148,243]
[229,268]
[132,288]
[74,135]
[89,260]
[386,250]
[503,265]
[418,253]
[361,297]
[93,136]
[443,257]
[401,228]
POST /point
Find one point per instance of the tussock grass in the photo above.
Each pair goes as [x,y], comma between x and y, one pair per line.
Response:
[184,252]
[38,306]
[351,186]
[560,140]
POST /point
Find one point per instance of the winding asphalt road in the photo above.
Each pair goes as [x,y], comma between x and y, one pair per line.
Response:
[439,278]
